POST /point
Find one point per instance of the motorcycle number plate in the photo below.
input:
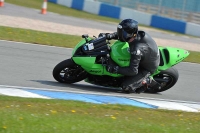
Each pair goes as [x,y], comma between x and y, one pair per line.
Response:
[90,46]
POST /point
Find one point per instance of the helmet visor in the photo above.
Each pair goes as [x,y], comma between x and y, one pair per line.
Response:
[127,35]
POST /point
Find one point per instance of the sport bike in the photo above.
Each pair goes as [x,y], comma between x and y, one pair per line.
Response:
[91,55]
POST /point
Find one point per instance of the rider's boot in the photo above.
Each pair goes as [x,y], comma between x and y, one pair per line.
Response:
[143,86]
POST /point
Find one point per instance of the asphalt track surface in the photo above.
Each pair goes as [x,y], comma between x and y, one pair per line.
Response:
[31,65]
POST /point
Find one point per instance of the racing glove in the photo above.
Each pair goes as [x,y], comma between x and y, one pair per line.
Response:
[109,36]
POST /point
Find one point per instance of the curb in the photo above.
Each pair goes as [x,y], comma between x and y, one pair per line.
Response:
[98,98]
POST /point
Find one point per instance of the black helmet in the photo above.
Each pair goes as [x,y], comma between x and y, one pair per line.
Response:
[126,29]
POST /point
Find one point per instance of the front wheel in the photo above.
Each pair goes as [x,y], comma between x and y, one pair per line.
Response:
[166,79]
[68,72]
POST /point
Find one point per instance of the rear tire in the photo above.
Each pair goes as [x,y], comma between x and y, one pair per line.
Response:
[171,75]
[68,72]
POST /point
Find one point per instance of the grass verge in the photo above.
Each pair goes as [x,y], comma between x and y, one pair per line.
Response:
[40,115]
[38,37]
[55,39]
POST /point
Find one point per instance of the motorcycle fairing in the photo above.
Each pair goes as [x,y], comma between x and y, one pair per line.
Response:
[120,54]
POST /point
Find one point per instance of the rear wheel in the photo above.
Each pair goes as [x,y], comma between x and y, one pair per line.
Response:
[68,72]
[166,78]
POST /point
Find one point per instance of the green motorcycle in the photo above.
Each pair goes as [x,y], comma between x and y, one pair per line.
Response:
[91,55]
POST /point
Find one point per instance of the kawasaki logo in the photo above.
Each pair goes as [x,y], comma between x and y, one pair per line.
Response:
[95,71]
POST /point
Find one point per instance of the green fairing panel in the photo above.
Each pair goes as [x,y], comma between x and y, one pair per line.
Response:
[89,65]
[86,62]
[171,56]
[120,53]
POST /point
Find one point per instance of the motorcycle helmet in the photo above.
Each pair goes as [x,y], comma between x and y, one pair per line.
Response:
[126,29]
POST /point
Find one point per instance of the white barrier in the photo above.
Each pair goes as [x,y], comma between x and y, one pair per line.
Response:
[141,17]
[67,3]
[192,29]
[92,7]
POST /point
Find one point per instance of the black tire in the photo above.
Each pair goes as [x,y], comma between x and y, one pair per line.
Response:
[166,78]
[68,72]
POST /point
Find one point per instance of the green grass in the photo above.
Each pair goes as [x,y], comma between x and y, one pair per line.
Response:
[38,37]
[55,39]
[58,116]
[194,57]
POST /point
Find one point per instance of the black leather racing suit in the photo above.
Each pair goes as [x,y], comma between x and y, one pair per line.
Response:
[144,60]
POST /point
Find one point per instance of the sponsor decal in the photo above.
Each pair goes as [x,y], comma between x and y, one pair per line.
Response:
[95,71]
[124,59]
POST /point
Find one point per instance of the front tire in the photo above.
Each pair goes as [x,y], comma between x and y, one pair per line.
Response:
[68,72]
[166,78]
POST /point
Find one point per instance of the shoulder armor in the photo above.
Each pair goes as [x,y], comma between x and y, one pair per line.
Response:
[141,33]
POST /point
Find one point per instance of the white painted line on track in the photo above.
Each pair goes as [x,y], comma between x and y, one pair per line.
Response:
[190,63]
[20,93]
[168,105]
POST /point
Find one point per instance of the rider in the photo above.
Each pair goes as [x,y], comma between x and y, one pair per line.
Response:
[144,52]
